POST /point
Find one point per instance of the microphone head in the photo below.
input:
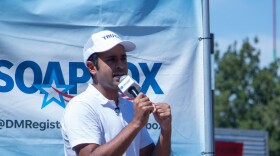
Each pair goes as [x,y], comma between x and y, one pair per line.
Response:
[126,84]
[122,78]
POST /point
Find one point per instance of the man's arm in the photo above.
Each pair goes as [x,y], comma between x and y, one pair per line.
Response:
[115,147]
[163,146]
[118,145]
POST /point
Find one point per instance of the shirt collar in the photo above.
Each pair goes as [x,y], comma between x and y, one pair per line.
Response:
[100,97]
[97,95]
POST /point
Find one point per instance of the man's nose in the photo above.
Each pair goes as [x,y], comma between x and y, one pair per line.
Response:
[120,64]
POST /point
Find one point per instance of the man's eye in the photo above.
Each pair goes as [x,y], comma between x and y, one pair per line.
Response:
[124,57]
[111,59]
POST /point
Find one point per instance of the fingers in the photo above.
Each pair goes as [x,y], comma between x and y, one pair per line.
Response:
[163,110]
[142,108]
[143,102]
[163,116]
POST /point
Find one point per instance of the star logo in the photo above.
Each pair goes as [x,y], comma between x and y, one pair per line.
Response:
[54,92]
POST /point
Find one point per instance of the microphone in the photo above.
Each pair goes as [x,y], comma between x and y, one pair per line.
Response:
[128,86]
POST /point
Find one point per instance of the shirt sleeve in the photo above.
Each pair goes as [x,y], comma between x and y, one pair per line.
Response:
[82,125]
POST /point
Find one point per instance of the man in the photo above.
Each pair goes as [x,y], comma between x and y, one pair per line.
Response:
[99,121]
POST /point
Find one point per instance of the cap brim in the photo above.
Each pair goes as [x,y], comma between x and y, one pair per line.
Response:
[128,45]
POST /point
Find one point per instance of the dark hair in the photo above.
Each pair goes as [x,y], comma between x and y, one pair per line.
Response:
[94,59]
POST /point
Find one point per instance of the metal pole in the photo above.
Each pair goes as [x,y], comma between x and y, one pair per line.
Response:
[274,30]
[208,106]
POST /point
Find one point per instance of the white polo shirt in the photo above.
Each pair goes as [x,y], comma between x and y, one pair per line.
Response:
[91,118]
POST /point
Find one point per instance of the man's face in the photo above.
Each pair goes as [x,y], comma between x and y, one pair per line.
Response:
[112,65]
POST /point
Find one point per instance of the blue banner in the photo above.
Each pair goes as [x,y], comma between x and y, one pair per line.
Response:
[41,66]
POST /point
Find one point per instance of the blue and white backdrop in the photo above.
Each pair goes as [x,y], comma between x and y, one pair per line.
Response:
[41,66]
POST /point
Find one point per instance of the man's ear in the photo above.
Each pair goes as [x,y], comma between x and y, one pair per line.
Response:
[91,67]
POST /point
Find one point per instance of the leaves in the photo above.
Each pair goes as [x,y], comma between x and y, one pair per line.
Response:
[247,96]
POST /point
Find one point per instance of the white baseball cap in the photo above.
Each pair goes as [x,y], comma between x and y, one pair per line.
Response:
[104,41]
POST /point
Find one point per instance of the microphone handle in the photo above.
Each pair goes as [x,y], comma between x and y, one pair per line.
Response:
[133,91]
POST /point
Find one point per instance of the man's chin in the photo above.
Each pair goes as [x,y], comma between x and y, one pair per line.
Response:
[115,85]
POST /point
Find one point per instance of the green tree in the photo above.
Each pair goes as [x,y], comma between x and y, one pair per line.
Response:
[246,95]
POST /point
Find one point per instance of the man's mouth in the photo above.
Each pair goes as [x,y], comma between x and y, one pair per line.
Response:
[117,76]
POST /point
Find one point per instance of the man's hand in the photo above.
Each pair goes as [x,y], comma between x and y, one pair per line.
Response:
[142,108]
[162,115]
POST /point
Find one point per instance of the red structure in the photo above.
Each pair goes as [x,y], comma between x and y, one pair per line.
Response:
[228,148]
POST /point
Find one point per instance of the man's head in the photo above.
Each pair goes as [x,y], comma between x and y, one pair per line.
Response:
[104,41]
[105,58]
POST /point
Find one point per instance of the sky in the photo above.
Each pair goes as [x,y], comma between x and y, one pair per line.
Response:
[236,20]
